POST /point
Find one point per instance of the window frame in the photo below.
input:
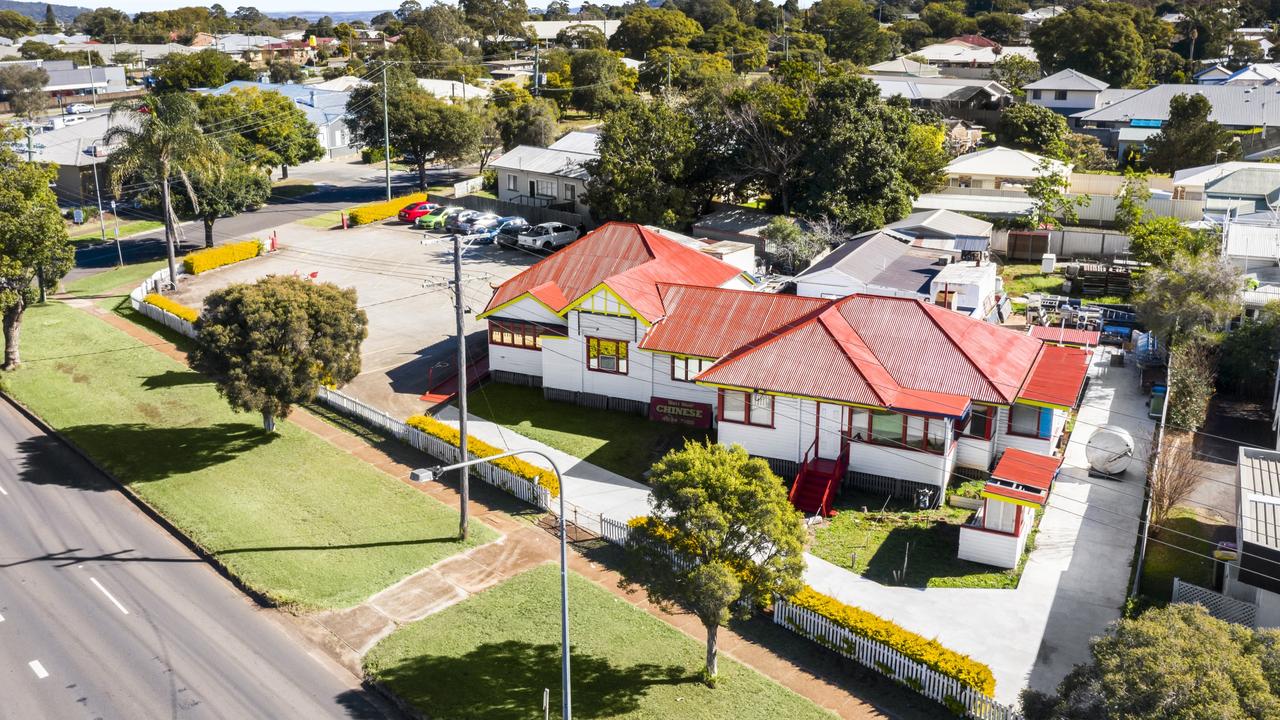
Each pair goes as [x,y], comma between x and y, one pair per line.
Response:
[1039,422]
[530,334]
[685,361]
[1059,95]
[622,365]
[991,413]
[749,407]
[1035,94]
[543,185]
[513,182]
[925,423]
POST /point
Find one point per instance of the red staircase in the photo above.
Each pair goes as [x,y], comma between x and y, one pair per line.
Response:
[818,482]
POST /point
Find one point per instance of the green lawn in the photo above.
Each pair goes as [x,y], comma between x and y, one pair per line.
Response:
[624,443]
[323,221]
[1021,279]
[491,656]
[880,541]
[291,515]
[1185,559]
[291,189]
[108,280]
[91,231]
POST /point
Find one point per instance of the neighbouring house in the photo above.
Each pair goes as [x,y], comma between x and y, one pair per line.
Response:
[736,223]
[75,149]
[1252,576]
[1000,168]
[969,56]
[1212,75]
[326,109]
[904,67]
[67,80]
[1225,185]
[1018,487]
[962,136]
[1031,18]
[546,30]
[1066,92]
[891,394]
[453,90]
[969,98]
[551,176]
[1237,107]
[964,237]
[518,70]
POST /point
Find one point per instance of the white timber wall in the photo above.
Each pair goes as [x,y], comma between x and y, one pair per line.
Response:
[973,453]
[783,441]
[990,548]
[663,386]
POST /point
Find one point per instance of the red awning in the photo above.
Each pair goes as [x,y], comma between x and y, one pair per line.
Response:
[1057,376]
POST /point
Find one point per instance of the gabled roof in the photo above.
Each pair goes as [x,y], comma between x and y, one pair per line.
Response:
[628,258]
[861,258]
[545,161]
[1233,105]
[942,222]
[1057,376]
[1067,80]
[888,352]
[1004,162]
[711,322]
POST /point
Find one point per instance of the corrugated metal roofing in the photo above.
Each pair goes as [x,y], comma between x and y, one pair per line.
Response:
[1027,468]
[628,258]
[1058,376]
[561,163]
[1234,105]
[942,222]
[1066,336]
[1067,80]
[861,258]
[712,322]
[1259,476]
[1004,162]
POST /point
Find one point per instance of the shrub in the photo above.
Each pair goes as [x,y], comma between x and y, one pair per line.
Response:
[929,653]
[375,212]
[172,307]
[372,155]
[480,448]
[215,257]
[969,489]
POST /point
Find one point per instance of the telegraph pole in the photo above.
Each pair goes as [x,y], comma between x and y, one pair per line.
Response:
[537,75]
[460,313]
[386,134]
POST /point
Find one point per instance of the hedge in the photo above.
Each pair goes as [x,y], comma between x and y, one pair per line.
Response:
[480,449]
[929,653]
[173,307]
[374,212]
[215,257]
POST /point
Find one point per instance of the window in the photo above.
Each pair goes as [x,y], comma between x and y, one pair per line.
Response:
[686,369]
[1030,421]
[886,428]
[547,188]
[982,422]
[1035,94]
[908,432]
[570,192]
[513,333]
[609,356]
[512,183]
[1059,94]
[746,408]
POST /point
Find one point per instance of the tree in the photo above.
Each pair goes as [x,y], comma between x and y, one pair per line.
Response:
[1032,127]
[14,25]
[1192,372]
[582,37]
[1173,478]
[1189,138]
[209,68]
[529,123]
[1188,293]
[225,189]
[945,20]
[708,13]
[283,71]
[648,28]
[159,142]
[1086,152]
[600,81]
[490,18]
[851,31]
[684,70]
[263,128]
[50,24]
[925,158]
[721,537]
[23,86]
[1014,71]
[1096,38]
[34,251]
[1131,199]
[1247,355]
[1177,663]
[640,175]
[747,48]
[789,245]
[764,124]
[913,33]
[1004,28]
[1160,240]
[270,345]
[1053,206]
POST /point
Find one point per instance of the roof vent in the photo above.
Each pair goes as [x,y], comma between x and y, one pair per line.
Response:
[944,260]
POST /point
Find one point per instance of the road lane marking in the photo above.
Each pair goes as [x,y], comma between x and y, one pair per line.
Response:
[3,491]
[38,669]
[109,595]
[1,618]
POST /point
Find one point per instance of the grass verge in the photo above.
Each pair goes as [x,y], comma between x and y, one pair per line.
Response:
[295,518]
[107,281]
[491,656]
[1182,556]
[323,221]
[92,232]
[625,444]
[291,189]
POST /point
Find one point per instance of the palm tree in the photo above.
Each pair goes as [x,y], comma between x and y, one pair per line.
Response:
[159,140]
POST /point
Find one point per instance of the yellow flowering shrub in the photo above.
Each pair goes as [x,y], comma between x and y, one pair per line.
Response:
[929,653]
[215,257]
[170,306]
[375,212]
[480,448]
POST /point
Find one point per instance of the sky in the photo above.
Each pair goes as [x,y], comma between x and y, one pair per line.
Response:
[266,6]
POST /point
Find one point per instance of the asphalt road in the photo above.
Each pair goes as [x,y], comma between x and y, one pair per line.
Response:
[103,614]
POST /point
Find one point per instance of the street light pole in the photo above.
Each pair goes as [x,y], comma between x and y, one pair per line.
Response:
[386,136]
[427,474]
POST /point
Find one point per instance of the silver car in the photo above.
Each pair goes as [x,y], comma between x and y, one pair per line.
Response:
[547,236]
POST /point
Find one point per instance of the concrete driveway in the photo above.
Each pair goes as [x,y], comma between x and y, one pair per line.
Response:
[401,285]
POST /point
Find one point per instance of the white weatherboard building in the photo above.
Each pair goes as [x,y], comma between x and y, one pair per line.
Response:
[547,176]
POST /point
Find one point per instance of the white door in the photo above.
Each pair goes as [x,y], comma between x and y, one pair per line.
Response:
[831,428]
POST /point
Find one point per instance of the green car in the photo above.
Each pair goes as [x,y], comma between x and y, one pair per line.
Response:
[435,219]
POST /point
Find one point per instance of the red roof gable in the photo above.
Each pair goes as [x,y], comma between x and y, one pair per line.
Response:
[1027,468]
[629,258]
[1057,376]
[712,322]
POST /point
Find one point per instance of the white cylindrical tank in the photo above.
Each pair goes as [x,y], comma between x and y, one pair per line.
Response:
[1109,449]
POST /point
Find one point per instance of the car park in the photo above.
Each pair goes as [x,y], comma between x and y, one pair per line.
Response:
[78,109]
[411,212]
[482,220]
[435,220]
[508,232]
[548,236]
[490,227]
[459,222]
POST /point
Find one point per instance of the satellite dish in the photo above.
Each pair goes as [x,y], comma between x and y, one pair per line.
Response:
[1109,449]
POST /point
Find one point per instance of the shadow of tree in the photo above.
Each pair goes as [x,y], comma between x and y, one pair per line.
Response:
[45,460]
[135,452]
[932,554]
[505,680]
[173,378]
[363,705]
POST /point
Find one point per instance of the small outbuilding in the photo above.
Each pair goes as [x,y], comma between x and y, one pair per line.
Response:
[1018,488]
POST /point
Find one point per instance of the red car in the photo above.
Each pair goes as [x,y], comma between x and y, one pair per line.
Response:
[413,211]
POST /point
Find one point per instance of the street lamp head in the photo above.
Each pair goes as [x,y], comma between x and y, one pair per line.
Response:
[425,474]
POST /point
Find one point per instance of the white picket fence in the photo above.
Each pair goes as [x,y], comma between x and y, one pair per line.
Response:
[1219,605]
[891,663]
[164,317]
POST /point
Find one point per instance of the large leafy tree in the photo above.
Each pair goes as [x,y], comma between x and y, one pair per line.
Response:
[851,31]
[1160,240]
[1187,293]
[601,81]
[14,24]
[1101,39]
[205,69]
[763,123]
[533,122]
[160,144]
[744,46]
[721,537]
[642,171]
[684,70]
[265,129]
[1189,138]
[1035,128]
[1172,663]
[225,189]
[1014,71]
[649,28]
[270,345]
[34,251]
[23,86]
[491,18]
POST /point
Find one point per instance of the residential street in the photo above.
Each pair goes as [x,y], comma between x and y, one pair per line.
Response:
[104,615]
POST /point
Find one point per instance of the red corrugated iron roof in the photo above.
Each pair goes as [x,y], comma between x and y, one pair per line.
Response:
[1066,336]
[1057,376]
[1027,468]
[712,322]
[628,258]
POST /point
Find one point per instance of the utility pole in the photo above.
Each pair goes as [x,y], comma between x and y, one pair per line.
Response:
[386,134]
[115,217]
[537,74]
[97,191]
[460,312]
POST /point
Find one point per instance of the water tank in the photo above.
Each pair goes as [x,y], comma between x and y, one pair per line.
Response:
[1109,449]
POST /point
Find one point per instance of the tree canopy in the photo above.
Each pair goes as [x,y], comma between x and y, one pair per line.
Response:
[641,174]
[1189,138]
[1109,40]
[265,129]
[1033,127]
[1187,293]
[209,68]
[649,28]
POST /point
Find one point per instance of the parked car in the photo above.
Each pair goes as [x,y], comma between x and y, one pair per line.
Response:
[413,211]
[472,226]
[77,109]
[435,219]
[489,227]
[548,236]
[457,223]
[509,230]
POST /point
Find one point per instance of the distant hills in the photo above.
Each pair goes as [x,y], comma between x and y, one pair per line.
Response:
[338,17]
[35,10]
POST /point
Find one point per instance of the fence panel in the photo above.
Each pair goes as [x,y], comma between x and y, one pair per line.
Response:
[533,213]
[1218,605]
